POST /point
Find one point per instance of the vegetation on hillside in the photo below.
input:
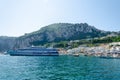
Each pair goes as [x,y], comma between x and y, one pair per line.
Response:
[84,42]
[107,40]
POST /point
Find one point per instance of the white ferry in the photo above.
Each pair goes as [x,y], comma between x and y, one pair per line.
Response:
[34,51]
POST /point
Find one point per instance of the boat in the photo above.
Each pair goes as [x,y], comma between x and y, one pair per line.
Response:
[76,55]
[34,51]
[111,55]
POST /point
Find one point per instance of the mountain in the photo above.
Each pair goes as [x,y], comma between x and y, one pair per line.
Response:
[59,32]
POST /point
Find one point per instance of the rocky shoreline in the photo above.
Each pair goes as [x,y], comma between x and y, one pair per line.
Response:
[104,50]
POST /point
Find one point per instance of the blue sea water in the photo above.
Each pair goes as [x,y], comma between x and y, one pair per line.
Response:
[58,68]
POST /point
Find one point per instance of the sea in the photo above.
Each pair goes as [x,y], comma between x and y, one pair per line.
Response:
[58,68]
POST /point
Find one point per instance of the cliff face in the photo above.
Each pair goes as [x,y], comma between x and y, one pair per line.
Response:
[59,32]
[6,43]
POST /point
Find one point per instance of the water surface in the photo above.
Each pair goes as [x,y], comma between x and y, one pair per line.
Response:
[58,68]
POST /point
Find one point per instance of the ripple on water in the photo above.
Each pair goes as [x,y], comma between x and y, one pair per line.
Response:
[58,68]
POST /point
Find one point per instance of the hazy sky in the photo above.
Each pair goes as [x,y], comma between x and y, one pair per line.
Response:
[23,16]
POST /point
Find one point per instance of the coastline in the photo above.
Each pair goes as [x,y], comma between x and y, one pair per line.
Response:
[111,50]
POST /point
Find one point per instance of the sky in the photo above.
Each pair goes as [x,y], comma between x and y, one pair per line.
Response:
[18,17]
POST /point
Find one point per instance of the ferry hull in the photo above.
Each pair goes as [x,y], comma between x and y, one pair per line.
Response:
[33,52]
[32,55]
